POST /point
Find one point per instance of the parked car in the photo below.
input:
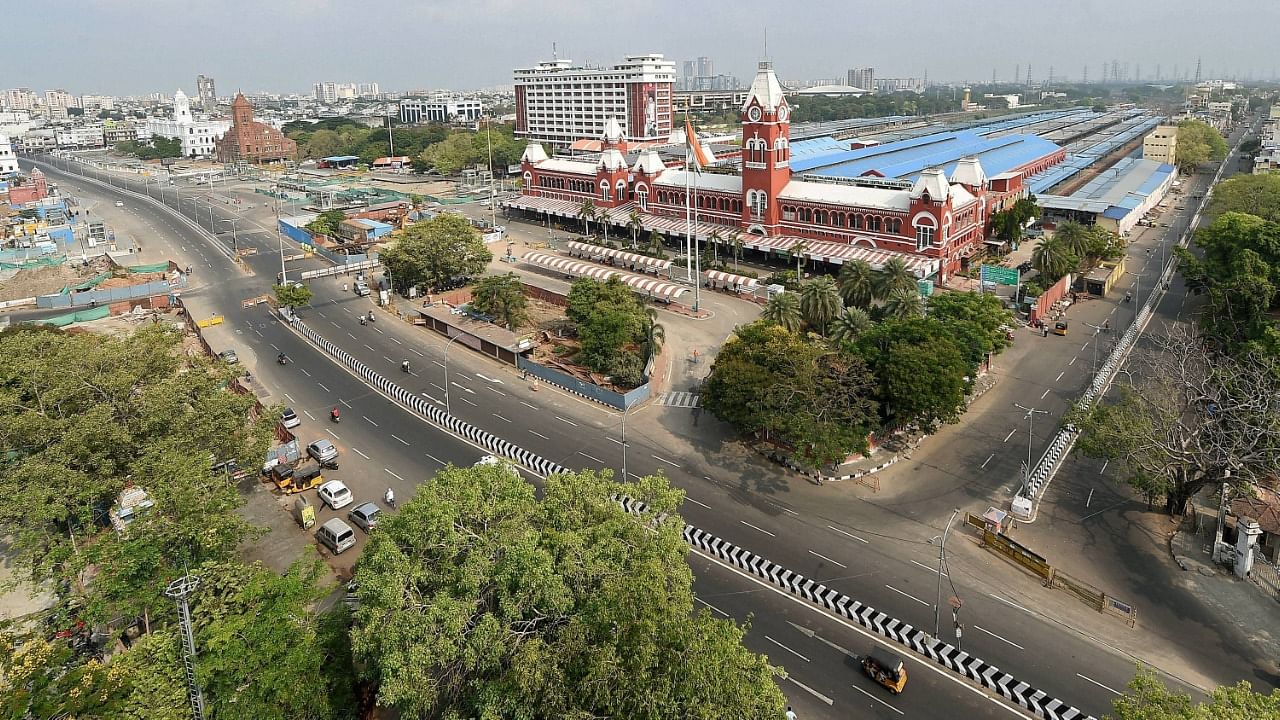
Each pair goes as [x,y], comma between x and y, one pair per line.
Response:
[229,356]
[289,418]
[362,288]
[336,535]
[322,450]
[365,516]
[335,494]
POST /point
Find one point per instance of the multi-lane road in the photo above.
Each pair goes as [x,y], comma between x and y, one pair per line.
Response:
[846,543]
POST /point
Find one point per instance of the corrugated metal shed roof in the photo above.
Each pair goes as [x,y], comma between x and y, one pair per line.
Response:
[907,158]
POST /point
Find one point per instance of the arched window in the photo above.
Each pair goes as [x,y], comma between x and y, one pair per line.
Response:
[780,150]
[620,190]
[855,222]
[642,197]
[756,149]
[759,201]
[894,225]
[604,190]
[528,179]
[925,233]
[873,223]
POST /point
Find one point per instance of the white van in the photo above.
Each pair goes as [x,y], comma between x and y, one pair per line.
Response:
[336,535]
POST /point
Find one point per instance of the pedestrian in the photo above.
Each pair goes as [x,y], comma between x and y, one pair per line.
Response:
[791,714]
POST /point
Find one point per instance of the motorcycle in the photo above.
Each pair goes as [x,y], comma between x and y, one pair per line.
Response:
[371,318]
[282,360]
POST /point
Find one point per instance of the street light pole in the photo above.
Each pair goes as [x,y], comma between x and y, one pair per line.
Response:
[942,555]
[1096,329]
[447,407]
[624,441]
[1031,423]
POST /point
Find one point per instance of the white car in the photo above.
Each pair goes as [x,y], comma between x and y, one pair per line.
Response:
[335,494]
[119,203]
[289,418]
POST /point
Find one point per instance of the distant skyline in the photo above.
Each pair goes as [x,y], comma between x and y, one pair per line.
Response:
[135,47]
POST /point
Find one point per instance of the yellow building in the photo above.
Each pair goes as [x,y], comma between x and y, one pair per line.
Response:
[1161,144]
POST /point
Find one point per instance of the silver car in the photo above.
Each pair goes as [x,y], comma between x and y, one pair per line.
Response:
[365,516]
[322,450]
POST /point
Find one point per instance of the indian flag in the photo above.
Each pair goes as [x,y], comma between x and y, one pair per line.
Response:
[699,155]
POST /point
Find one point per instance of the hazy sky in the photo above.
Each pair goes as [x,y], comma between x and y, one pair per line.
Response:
[138,46]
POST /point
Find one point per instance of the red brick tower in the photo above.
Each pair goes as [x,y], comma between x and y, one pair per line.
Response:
[766,152]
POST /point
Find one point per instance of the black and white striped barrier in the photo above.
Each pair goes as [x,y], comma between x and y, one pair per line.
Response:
[982,673]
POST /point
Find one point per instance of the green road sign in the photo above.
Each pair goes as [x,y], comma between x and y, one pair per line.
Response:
[1000,275]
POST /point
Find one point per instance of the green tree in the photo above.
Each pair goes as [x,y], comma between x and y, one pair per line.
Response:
[857,283]
[1073,237]
[904,305]
[922,374]
[655,243]
[83,416]
[1149,699]
[820,302]
[849,325]
[797,251]
[587,213]
[1051,259]
[327,222]
[735,241]
[634,225]
[610,320]
[1198,142]
[891,277]
[980,315]
[1253,194]
[784,311]
[501,296]
[478,599]
[1240,271]
[156,148]
[292,296]
[324,143]
[432,252]
[451,155]
[654,333]
[1187,418]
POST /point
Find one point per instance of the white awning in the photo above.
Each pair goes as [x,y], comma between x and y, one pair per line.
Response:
[650,287]
[731,279]
[651,263]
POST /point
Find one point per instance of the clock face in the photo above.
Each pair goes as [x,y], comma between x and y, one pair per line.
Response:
[753,114]
[783,113]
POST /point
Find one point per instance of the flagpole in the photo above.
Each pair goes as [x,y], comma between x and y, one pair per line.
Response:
[688,204]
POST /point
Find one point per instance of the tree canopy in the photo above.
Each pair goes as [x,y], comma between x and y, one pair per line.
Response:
[478,599]
[293,295]
[1198,142]
[1149,699]
[501,296]
[923,371]
[613,328]
[327,222]
[1252,194]
[464,148]
[433,252]
[154,149]
[1240,271]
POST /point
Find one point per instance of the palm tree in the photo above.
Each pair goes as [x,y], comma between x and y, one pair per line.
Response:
[655,243]
[587,213]
[604,218]
[893,276]
[1073,237]
[784,310]
[849,325]
[735,239]
[715,241]
[798,251]
[820,302]
[654,333]
[1051,259]
[857,283]
[904,305]
[635,225]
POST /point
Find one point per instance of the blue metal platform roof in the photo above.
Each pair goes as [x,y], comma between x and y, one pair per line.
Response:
[907,158]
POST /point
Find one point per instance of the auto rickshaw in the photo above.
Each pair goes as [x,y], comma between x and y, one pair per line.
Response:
[291,480]
[1060,327]
[885,668]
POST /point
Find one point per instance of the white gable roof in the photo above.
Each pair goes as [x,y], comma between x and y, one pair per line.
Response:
[969,172]
[611,159]
[846,195]
[765,88]
[576,167]
[703,181]
[612,130]
[533,153]
[961,197]
[650,163]
[934,181]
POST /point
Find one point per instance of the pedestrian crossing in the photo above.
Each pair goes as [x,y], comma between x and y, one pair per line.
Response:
[678,399]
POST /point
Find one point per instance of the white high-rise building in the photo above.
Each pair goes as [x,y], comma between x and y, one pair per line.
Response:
[60,99]
[8,163]
[326,92]
[20,99]
[558,103]
[198,136]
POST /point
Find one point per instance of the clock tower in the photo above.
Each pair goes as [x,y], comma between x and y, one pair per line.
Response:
[766,152]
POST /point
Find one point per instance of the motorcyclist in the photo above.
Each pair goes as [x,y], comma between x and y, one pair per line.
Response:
[333,414]
[405,366]
[389,497]
[364,320]
[282,359]
[371,316]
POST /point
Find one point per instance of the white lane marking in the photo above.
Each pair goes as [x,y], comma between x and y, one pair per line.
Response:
[366,417]
[1011,432]
[873,697]
[259,333]
[500,417]
[1046,392]
[498,391]
[566,421]
[1095,682]
[468,402]
[366,457]
[983,466]
[784,647]
[304,412]
[353,337]
[438,387]
[379,331]
[396,340]
[321,314]
[463,388]
[415,351]
[433,457]
[273,347]
[531,407]
[384,357]
[591,457]
[615,441]
[753,527]
[535,432]
[907,594]
[811,691]
[933,570]
[344,402]
[338,326]
[290,397]
[371,348]
[1064,372]
[1011,604]
[713,607]
[662,459]
[322,387]
[486,378]
[439,363]
[695,502]
[979,627]
[388,471]
[1104,467]
[833,562]
[402,442]
[304,372]
[842,532]
[1073,361]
